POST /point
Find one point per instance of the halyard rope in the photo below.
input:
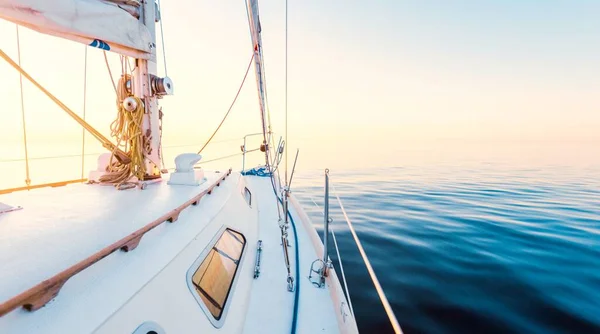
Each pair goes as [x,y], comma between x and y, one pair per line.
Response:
[230,106]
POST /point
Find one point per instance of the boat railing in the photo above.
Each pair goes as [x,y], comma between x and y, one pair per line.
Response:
[326,261]
[244,149]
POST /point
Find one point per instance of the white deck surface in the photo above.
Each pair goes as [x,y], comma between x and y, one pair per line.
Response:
[58,227]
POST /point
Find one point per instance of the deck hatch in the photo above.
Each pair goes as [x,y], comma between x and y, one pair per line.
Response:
[214,277]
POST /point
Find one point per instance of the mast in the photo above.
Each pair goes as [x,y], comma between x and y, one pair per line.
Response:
[255,30]
[149,87]
[138,109]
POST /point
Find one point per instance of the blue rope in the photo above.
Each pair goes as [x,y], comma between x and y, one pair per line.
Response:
[262,172]
[258,171]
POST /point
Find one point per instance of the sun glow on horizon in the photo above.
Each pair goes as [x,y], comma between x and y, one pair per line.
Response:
[385,83]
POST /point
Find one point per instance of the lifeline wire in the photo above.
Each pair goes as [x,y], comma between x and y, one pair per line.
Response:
[378,288]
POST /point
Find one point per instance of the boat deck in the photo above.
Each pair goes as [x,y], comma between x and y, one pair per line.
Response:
[59,227]
[271,304]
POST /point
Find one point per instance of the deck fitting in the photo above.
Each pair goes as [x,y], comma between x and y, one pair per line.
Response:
[174,217]
[132,244]
[40,299]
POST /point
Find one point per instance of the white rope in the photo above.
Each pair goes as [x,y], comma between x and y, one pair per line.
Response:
[27,178]
[112,80]
[382,297]
[337,251]
[84,105]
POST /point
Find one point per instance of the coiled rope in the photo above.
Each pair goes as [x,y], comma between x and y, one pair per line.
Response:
[127,130]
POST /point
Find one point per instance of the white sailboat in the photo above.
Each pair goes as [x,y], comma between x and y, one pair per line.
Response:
[179,252]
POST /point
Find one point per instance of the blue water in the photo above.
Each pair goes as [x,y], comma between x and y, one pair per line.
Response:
[487,249]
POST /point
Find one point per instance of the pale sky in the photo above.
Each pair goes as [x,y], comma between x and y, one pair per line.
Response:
[370,82]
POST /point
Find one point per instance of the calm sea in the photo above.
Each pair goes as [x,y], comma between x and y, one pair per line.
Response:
[487,249]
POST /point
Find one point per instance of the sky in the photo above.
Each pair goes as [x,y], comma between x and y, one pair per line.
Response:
[370,83]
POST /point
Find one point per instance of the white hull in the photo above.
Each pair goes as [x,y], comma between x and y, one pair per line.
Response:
[58,227]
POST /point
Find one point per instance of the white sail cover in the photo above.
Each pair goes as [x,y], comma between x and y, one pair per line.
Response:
[98,23]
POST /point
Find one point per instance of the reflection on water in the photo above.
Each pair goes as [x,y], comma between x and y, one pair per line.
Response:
[483,249]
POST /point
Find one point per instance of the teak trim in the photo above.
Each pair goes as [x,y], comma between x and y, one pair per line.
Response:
[40,294]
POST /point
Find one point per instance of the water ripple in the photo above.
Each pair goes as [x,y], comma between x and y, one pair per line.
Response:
[483,249]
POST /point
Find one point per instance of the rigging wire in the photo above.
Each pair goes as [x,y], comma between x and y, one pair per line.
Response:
[286,91]
[162,38]
[226,157]
[27,178]
[84,105]
[98,153]
[378,288]
[297,297]
[231,106]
